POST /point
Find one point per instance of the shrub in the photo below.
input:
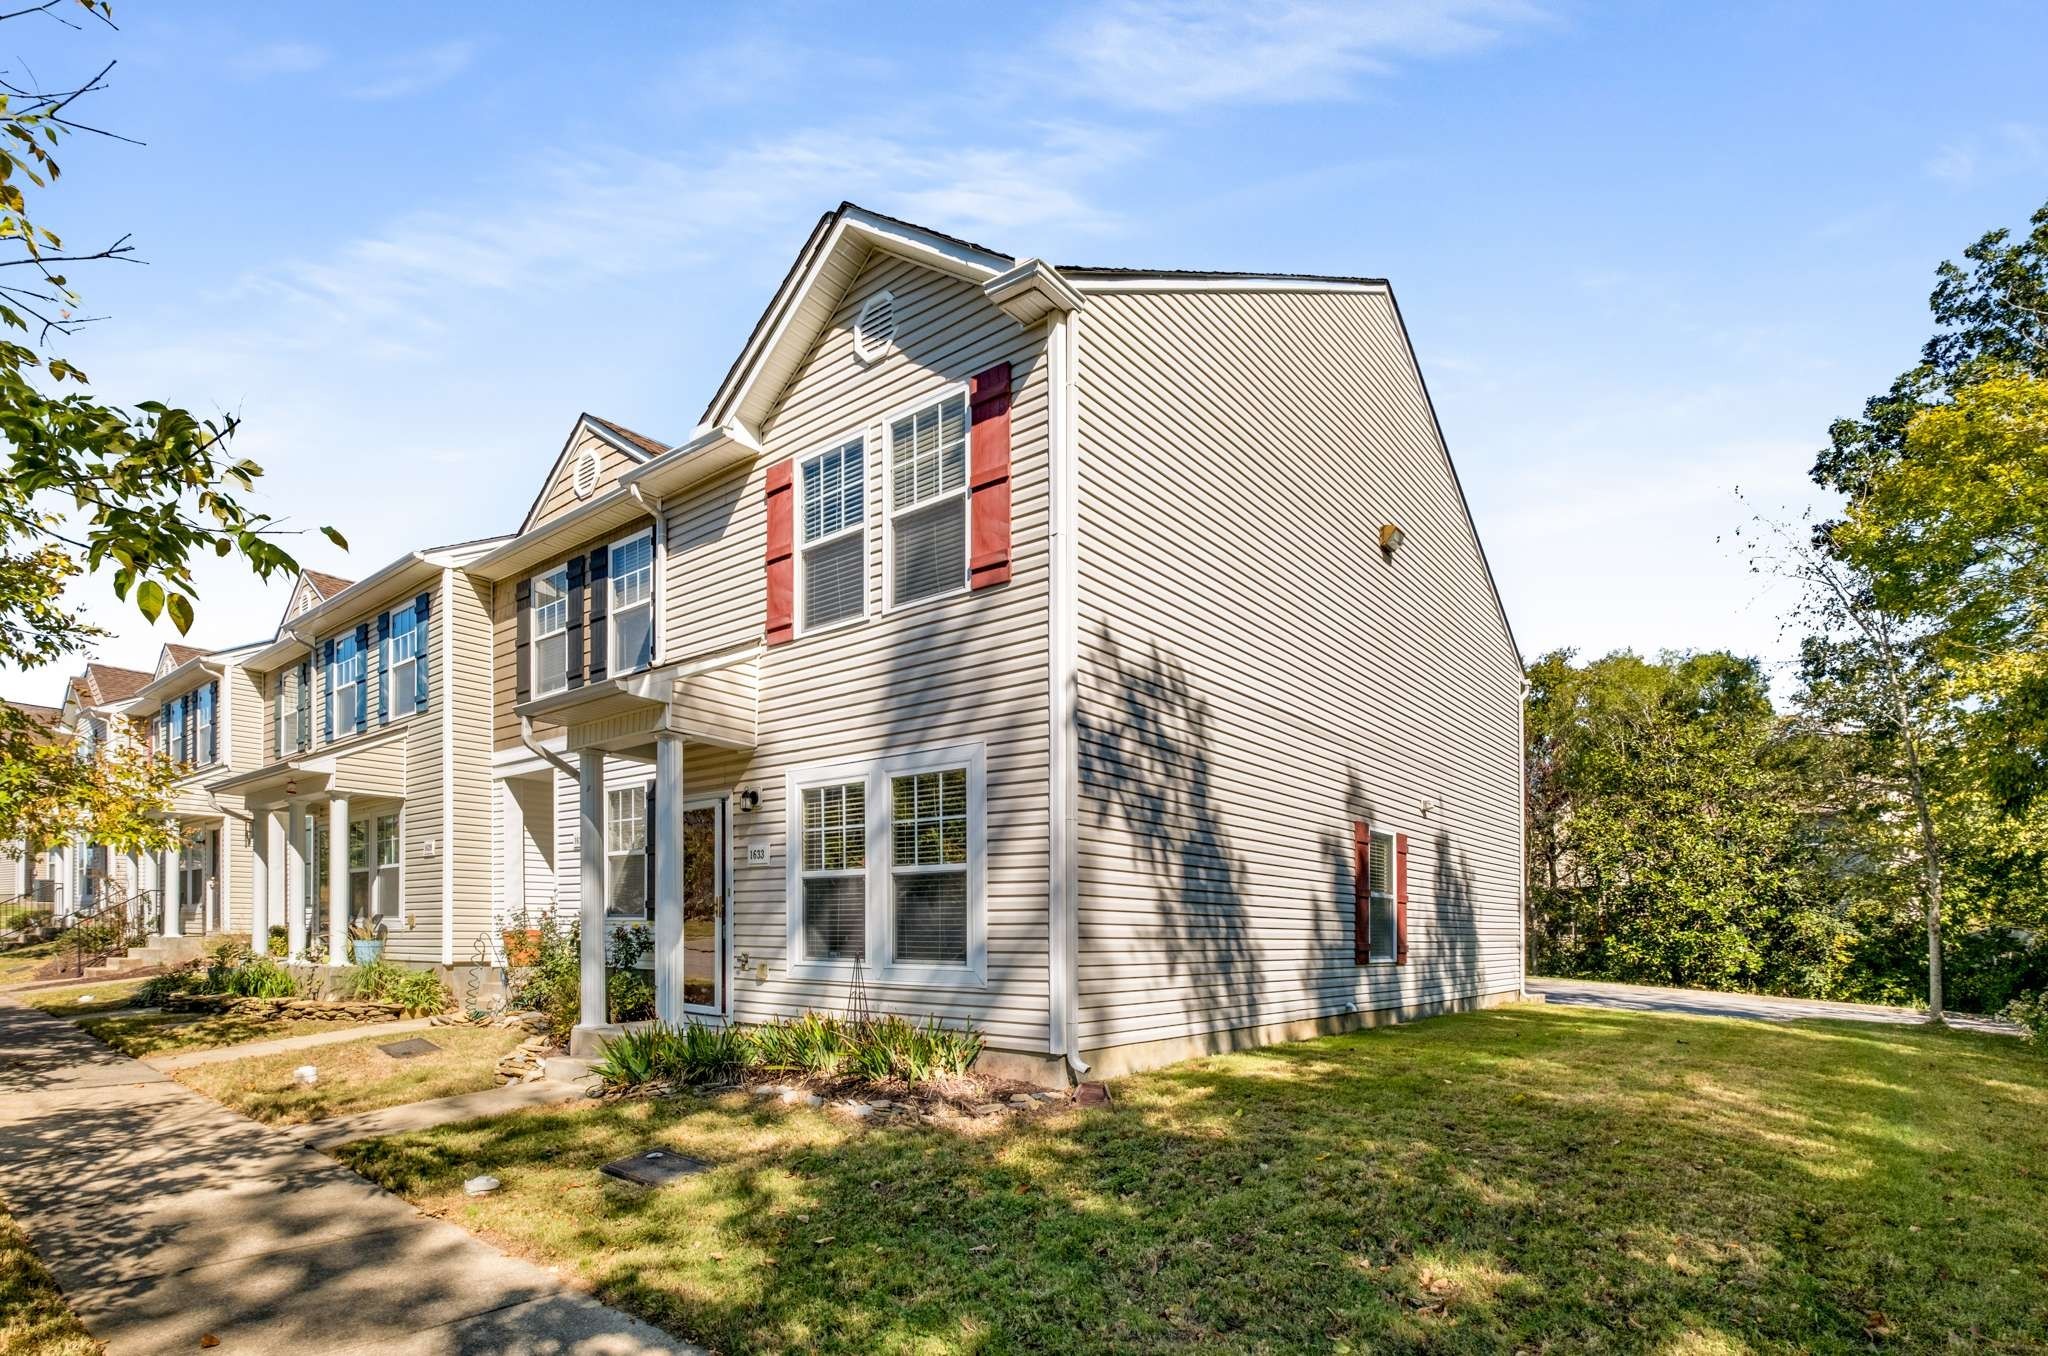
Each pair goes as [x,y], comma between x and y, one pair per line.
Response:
[2030,1013]
[381,981]
[553,982]
[811,1044]
[888,1047]
[683,1055]
[158,988]
[279,943]
[233,969]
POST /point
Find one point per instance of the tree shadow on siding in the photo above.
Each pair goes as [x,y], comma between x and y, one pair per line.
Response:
[1334,929]
[1453,941]
[1145,772]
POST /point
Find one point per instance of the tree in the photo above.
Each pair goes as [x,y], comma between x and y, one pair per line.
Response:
[1669,839]
[141,491]
[111,793]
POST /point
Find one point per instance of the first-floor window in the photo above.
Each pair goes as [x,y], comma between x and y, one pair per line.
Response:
[1380,881]
[886,863]
[835,826]
[928,866]
[387,893]
[625,832]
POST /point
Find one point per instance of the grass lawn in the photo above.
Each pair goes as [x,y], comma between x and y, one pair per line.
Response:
[34,1319]
[1522,1179]
[19,964]
[106,995]
[355,1075]
[142,1034]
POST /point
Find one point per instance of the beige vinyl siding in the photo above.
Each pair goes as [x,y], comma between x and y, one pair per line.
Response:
[464,607]
[560,495]
[967,668]
[1254,675]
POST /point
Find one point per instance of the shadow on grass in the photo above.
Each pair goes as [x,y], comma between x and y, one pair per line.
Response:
[1516,1178]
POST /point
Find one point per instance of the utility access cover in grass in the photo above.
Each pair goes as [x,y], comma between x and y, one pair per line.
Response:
[410,1048]
[656,1167]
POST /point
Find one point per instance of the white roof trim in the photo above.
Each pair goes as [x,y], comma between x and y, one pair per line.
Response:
[1169,283]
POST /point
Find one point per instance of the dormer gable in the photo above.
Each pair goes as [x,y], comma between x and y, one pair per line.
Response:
[176,656]
[596,454]
[312,589]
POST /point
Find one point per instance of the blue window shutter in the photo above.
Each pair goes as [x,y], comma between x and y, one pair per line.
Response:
[327,707]
[420,608]
[383,668]
[362,688]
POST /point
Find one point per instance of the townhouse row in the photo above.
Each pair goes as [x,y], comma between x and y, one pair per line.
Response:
[1103,658]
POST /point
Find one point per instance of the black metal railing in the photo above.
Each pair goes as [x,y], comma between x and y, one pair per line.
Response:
[102,932]
[21,915]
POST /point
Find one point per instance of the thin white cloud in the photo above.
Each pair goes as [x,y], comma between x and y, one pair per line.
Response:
[279,58]
[415,72]
[759,66]
[2012,148]
[1174,55]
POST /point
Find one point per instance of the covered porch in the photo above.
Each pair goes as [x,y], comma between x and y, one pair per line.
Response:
[328,846]
[652,844]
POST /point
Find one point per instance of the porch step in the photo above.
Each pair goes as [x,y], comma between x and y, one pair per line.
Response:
[568,1069]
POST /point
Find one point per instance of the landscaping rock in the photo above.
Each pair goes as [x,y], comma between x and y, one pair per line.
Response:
[305,1075]
[1091,1094]
[860,1111]
[481,1186]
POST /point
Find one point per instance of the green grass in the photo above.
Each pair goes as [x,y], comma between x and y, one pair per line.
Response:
[1523,1179]
[355,1075]
[19,964]
[142,1034]
[34,1319]
[106,996]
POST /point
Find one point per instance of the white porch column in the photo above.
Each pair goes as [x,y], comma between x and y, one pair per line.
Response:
[294,855]
[259,882]
[337,881]
[174,886]
[590,896]
[512,852]
[665,840]
[276,895]
[135,910]
[67,874]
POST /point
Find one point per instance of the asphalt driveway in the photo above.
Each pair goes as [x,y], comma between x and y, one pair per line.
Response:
[1754,1007]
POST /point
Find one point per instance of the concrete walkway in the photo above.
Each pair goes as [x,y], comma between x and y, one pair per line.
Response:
[1755,1007]
[468,1106]
[341,1035]
[166,1217]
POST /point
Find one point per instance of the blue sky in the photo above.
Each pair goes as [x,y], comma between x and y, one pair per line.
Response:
[1646,251]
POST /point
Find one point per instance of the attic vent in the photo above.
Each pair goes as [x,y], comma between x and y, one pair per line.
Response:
[585,474]
[874,329]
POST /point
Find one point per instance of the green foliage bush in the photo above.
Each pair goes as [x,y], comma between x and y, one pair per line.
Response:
[380,981]
[231,969]
[2030,1013]
[553,983]
[812,1044]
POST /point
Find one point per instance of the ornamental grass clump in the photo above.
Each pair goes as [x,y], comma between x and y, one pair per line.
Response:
[812,1045]
[381,981]
[676,1056]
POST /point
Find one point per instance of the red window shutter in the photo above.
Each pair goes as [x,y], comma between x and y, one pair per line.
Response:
[781,494]
[1361,892]
[988,477]
[1400,899]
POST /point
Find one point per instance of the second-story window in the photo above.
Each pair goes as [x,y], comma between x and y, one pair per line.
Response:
[928,501]
[204,729]
[551,631]
[176,740]
[402,665]
[344,685]
[632,603]
[834,536]
[294,708]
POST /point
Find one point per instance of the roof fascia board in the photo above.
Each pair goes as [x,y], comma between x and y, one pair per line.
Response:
[1163,283]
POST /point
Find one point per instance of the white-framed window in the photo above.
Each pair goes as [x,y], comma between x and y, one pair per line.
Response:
[204,749]
[345,682]
[834,568]
[631,607]
[833,871]
[888,867]
[928,500]
[1379,875]
[551,631]
[625,853]
[286,724]
[401,662]
[387,892]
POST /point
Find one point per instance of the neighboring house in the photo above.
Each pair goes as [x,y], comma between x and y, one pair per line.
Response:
[369,800]
[1105,658]
[26,870]
[203,711]
[97,703]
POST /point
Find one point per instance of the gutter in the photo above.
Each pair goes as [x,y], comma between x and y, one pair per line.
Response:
[545,754]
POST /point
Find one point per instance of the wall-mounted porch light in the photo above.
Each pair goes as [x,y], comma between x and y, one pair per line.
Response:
[1391,537]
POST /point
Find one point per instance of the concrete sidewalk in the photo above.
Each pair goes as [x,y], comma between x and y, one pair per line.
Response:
[166,1217]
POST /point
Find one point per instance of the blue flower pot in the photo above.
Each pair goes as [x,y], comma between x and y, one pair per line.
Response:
[366,952]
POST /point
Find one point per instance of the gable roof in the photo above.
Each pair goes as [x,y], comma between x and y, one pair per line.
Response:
[176,656]
[45,716]
[327,584]
[637,446]
[103,684]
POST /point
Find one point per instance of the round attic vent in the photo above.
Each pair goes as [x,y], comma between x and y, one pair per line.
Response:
[874,329]
[584,477]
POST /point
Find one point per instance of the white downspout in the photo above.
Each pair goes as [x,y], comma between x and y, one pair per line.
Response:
[1063,876]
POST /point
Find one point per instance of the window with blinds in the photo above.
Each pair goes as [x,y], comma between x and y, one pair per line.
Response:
[632,603]
[834,871]
[834,535]
[389,897]
[928,867]
[401,662]
[928,500]
[1380,880]
[551,631]
[625,833]
[344,681]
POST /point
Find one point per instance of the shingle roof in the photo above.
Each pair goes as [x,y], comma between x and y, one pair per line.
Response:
[327,584]
[184,654]
[41,715]
[652,446]
[103,683]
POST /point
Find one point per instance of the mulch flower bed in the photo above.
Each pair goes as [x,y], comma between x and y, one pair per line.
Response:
[970,1103]
[296,1009]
